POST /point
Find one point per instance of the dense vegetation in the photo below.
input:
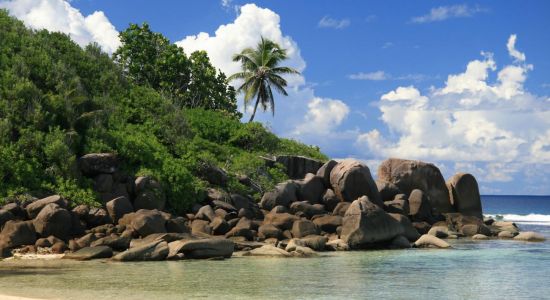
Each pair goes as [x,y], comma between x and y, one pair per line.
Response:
[165,114]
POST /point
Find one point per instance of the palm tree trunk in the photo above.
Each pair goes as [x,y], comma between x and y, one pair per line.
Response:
[255,107]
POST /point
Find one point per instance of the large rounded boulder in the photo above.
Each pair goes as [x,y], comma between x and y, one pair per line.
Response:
[297,167]
[312,188]
[464,195]
[351,179]
[53,220]
[284,194]
[17,233]
[408,175]
[34,208]
[149,194]
[98,163]
[365,224]
[147,222]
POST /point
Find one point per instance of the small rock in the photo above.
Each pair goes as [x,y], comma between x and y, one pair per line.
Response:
[530,236]
[88,253]
[268,250]
[505,235]
[430,241]
[479,236]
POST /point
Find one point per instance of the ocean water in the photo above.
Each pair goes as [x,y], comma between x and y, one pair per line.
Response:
[494,269]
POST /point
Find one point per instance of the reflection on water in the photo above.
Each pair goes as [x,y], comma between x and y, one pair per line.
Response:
[481,270]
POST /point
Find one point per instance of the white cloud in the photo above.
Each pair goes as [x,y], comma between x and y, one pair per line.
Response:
[59,15]
[252,23]
[328,22]
[495,129]
[447,12]
[323,115]
[302,114]
[378,75]
[511,45]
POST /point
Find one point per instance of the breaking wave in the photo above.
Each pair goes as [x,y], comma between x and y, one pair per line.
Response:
[531,219]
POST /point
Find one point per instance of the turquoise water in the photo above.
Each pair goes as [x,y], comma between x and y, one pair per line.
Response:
[472,270]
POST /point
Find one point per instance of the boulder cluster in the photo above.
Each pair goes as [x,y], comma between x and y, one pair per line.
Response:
[332,207]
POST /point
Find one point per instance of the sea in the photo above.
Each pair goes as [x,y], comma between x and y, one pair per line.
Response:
[493,269]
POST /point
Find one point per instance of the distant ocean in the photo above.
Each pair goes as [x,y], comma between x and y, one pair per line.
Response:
[525,210]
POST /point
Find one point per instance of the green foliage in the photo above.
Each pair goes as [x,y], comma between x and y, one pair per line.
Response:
[165,115]
[78,192]
[149,59]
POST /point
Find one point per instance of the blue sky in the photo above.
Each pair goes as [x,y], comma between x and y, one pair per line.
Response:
[465,85]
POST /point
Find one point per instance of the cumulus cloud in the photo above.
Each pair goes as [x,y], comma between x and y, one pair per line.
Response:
[252,23]
[323,115]
[328,22]
[59,15]
[302,114]
[442,13]
[495,126]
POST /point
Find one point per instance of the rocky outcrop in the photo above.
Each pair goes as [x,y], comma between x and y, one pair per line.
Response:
[351,179]
[409,231]
[17,233]
[207,248]
[324,171]
[311,188]
[118,207]
[297,167]
[35,207]
[53,220]
[283,221]
[303,228]
[328,223]
[149,194]
[464,195]
[387,190]
[284,194]
[5,216]
[366,223]
[97,163]
[147,222]
[337,207]
[420,208]
[157,250]
[89,253]
[409,175]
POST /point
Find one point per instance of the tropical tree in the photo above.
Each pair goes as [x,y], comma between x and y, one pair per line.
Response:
[261,72]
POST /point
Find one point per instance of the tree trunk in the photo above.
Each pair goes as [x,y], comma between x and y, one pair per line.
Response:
[255,107]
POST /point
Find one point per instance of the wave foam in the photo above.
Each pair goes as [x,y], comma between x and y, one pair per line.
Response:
[532,219]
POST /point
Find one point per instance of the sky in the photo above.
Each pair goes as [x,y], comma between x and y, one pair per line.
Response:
[464,85]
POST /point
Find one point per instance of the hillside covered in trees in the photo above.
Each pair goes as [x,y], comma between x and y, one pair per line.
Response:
[165,114]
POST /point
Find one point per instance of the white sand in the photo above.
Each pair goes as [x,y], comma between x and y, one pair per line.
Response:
[5,297]
[33,257]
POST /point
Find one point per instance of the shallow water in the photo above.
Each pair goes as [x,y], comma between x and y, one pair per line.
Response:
[481,270]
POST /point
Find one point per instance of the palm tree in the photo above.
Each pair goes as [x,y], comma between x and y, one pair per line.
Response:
[261,72]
